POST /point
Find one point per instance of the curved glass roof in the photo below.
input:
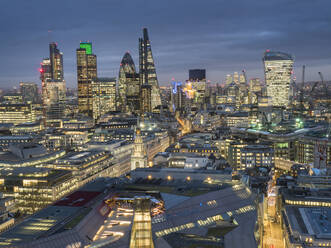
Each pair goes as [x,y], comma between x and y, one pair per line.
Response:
[272,55]
[127,59]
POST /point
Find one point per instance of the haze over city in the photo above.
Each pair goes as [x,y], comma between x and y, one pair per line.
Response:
[221,36]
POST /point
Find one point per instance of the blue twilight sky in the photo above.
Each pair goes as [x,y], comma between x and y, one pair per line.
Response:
[222,36]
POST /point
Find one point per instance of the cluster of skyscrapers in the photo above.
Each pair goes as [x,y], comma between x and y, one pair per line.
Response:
[136,92]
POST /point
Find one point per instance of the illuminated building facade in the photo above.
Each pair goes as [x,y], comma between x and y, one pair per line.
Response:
[178,97]
[29,92]
[139,155]
[56,59]
[54,95]
[257,156]
[35,188]
[128,84]
[53,84]
[133,93]
[197,78]
[278,68]
[103,96]
[86,166]
[147,70]
[146,98]
[16,113]
[86,73]
[13,98]
[141,234]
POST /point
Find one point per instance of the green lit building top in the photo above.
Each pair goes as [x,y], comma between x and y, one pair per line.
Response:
[87,46]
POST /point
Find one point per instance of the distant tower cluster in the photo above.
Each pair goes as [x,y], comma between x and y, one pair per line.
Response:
[278,68]
[53,84]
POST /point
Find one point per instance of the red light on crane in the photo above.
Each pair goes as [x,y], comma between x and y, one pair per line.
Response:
[41,70]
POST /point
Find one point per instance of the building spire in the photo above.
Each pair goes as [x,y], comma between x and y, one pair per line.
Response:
[145,34]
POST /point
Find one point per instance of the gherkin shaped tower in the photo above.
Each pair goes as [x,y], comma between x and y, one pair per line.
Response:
[126,68]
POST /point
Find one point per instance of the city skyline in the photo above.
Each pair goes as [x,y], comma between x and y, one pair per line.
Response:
[218,40]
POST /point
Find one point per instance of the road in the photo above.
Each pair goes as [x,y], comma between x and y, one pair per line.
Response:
[272,236]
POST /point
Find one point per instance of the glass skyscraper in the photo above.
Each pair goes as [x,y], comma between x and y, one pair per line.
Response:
[103,96]
[53,84]
[128,85]
[147,70]
[278,69]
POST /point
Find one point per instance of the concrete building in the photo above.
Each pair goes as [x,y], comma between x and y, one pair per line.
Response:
[253,156]
[86,166]
[187,161]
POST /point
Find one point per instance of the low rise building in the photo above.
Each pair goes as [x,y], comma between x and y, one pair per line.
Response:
[27,128]
[5,141]
[257,156]
[34,188]
[187,161]
[86,165]
[307,226]
[17,113]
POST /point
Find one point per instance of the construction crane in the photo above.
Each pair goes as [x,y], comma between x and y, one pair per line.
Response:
[324,85]
[316,83]
[301,89]
[323,82]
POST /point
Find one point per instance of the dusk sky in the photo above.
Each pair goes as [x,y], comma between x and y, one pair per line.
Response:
[221,36]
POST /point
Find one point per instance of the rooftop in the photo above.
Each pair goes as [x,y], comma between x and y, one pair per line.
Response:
[273,55]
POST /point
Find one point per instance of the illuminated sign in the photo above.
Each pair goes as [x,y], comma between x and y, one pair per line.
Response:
[87,46]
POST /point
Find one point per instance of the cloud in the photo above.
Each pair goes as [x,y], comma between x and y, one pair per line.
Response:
[221,36]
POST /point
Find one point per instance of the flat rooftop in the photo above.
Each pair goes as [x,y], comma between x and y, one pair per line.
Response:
[77,199]
[180,170]
[39,223]
[310,221]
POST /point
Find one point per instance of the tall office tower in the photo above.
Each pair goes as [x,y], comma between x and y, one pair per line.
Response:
[198,80]
[178,98]
[56,60]
[29,92]
[255,85]
[54,95]
[278,69]
[133,93]
[141,233]
[86,73]
[45,70]
[53,84]
[197,75]
[228,79]
[147,70]
[145,98]
[128,86]
[236,77]
[242,78]
[103,96]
